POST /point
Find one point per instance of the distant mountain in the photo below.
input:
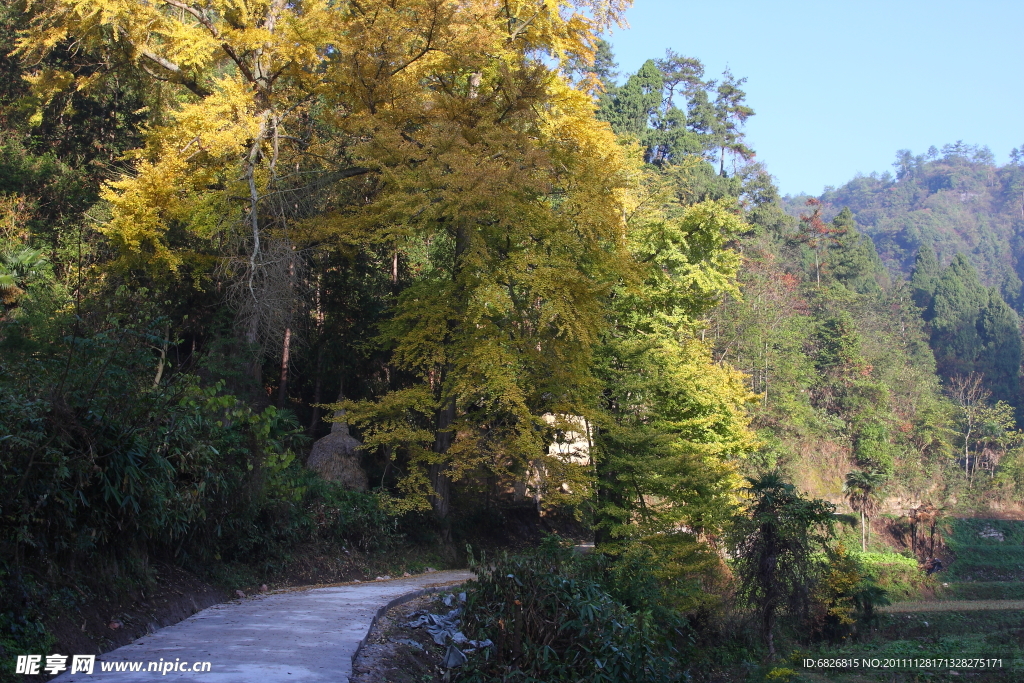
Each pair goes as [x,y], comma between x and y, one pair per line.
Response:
[955,199]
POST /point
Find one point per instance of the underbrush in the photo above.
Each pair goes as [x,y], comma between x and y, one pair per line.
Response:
[899,576]
[554,615]
[106,472]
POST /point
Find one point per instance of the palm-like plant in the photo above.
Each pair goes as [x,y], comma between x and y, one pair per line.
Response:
[16,268]
[774,544]
[859,489]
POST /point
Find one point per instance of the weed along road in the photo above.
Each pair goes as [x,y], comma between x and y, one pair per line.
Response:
[294,635]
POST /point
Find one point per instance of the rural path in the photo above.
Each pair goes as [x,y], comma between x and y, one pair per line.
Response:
[953,606]
[297,635]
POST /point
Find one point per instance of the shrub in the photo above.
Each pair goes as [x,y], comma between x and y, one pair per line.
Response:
[897,575]
[553,617]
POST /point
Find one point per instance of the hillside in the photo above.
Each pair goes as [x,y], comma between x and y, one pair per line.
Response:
[955,199]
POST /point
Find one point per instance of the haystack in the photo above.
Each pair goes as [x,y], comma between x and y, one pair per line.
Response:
[336,457]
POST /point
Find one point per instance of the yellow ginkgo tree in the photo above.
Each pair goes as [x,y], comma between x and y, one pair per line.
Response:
[443,129]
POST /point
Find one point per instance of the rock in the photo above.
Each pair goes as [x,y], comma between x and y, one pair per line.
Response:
[406,574]
[114,625]
[336,457]
[239,594]
[429,569]
[383,578]
[263,588]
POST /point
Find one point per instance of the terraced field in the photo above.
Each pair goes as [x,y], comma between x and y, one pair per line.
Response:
[952,606]
[977,612]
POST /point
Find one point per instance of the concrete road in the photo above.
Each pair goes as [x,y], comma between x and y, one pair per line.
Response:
[298,636]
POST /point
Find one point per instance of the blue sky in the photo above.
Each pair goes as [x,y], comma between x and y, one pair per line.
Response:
[839,86]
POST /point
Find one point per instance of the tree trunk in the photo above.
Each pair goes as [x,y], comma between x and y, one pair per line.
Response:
[163,357]
[444,434]
[282,391]
[314,421]
[769,634]
[252,337]
[863,534]
[439,481]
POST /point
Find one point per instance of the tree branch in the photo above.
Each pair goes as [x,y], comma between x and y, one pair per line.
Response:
[178,76]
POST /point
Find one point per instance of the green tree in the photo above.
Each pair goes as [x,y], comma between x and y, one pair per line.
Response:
[853,259]
[775,543]
[872,445]
[1000,356]
[672,425]
[925,278]
[860,489]
[959,298]
[985,429]
[975,331]
[732,113]
[632,109]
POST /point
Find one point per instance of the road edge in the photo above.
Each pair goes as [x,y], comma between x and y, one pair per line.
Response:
[401,599]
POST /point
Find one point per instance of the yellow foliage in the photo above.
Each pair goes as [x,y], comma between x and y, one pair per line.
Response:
[834,595]
[253,77]
[443,128]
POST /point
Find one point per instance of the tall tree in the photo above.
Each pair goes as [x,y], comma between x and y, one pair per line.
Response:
[774,544]
[860,489]
[433,129]
[853,260]
[925,278]
[672,425]
[732,114]
[819,236]
[959,298]
[634,107]
[1000,356]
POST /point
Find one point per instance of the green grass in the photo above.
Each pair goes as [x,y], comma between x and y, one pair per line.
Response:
[978,611]
[986,563]
[970,532]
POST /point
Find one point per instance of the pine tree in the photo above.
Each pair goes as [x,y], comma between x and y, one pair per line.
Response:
[732,115]
[925,278]
[853,260]
[634,106]
[1000,357]
[959,298]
